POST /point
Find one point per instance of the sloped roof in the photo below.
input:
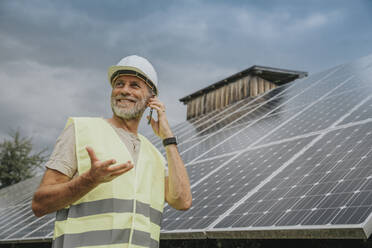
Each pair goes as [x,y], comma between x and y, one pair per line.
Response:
[274,75]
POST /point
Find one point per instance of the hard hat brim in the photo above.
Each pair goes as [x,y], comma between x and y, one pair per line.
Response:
[117,70]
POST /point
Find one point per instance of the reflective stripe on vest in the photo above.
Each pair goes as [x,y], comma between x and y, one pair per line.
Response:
[125,212]
[95,238]
[110,206]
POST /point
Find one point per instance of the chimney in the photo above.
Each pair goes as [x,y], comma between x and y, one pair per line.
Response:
[250,82]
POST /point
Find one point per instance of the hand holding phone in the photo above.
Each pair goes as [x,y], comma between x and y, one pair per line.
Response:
[161,126]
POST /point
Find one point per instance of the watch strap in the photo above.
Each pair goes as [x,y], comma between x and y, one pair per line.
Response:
[170,141]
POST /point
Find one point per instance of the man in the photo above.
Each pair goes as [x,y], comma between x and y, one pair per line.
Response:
[108,183]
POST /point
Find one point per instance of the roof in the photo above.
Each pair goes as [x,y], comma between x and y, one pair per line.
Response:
[274,75]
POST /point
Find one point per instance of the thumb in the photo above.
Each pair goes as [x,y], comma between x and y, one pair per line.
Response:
[91,154]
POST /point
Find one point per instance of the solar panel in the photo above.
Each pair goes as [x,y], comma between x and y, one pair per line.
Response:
[317,188]
[364,112]
[198,128]
[15,214]
[241,136]
[15,224]
[40,230]
[294,162]
[223,187]
[18,193]
[24,227]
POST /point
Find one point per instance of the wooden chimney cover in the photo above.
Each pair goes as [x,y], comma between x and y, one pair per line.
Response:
[247,83]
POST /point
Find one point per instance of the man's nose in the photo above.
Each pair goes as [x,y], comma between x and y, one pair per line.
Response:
[126,89]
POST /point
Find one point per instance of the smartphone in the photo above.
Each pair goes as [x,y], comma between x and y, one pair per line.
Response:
[148,123]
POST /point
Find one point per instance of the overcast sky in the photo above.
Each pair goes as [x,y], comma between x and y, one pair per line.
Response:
[54,55]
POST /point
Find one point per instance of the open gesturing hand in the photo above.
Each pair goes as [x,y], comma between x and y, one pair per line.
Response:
[101,171]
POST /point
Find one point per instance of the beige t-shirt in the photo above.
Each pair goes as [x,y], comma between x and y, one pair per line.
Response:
[63,158]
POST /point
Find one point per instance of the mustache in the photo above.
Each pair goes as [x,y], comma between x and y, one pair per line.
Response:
[123,97]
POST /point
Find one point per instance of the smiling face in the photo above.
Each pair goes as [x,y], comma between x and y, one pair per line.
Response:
[129,97]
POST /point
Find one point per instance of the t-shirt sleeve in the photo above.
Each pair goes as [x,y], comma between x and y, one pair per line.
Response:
[63,158]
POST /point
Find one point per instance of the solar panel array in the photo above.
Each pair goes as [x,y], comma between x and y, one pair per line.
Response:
[293,162]
[17,222]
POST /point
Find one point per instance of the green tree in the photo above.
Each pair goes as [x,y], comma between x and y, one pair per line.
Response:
[17,160]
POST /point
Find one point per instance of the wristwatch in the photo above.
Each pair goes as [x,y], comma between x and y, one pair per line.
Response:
[170,141]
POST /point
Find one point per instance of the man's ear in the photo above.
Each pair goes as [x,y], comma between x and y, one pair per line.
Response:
[151,91]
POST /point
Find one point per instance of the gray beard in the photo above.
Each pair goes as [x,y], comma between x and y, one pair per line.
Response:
[126,113]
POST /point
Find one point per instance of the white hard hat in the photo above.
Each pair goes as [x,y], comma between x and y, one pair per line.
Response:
[136,66]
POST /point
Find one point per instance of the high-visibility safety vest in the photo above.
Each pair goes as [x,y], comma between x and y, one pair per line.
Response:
[125,212]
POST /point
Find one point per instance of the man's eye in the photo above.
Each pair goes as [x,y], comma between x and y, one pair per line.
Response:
[135,85]
[119,84]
